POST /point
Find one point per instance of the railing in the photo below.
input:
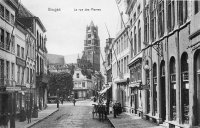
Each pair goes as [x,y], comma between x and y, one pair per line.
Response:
[186,114]
[173,77]
[185,76]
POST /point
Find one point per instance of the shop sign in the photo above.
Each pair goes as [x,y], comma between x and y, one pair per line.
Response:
[146,86]
[20,62]
[13,88]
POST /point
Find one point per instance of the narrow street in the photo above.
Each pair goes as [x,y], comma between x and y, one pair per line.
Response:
[69,116]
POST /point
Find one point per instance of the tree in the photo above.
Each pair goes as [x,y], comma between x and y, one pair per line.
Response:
[62,81]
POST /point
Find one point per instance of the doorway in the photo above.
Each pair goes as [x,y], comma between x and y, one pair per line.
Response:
[163,95]
[196,111]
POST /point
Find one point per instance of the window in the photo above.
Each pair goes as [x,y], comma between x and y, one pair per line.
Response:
[37,39]
[7,15]
[138,9]
[196,6]
[122,67]
[161,25]
[182,10]
[153,21]
[7,41]
[18,50]
[1,72]
[7,70]
[83,84]
[89,35]
[12,44]
[131,22]
[31,75]
[12,19]
[1,10]
[122,41]
[77,75]
[89,41]
[139,37]
[2,38]
[22,75]
[119,45]
[125,46]
[185,88]
[27,75]
[18,74]
[135,41]
[127,69]
[12,71]
[22,52]
[171,15]
[172,89]
[154,88]
[146,26]
[134,16]
[125,65]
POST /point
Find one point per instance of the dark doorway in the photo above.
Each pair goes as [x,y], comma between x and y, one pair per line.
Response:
[76,95]
[196,111]
[4,109]
[162,87]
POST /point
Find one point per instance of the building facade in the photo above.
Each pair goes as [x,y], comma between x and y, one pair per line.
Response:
[134,11]
[38,32]
[170,62]
[120,59]
[163,61]
[7,58]
[82,85]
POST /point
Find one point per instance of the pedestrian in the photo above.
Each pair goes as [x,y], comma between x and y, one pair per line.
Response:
[28,115]
[62,100]
[57,102]
[74,101]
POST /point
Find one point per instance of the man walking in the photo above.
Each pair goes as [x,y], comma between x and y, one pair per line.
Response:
[74,101]
[28,114]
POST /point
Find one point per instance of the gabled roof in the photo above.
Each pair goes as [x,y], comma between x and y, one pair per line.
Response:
[55,59]
[24,13]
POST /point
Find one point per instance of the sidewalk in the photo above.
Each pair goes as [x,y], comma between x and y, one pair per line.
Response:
[41,116]
[126,120]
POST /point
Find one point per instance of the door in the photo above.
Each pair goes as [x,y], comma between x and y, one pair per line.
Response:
[163,99]
[4,108]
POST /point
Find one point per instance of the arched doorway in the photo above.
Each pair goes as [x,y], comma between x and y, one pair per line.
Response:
[196,111]
[184,88]
[154,88]
[172,89]
[148,90]
[162,89]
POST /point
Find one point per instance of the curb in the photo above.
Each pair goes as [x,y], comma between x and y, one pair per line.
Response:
[111,122]
[41,119]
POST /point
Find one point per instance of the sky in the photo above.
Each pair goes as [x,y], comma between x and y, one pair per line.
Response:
[66,28]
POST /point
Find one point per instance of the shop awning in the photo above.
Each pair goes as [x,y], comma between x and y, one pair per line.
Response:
[104,90]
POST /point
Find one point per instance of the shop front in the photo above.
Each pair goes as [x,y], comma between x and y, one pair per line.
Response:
[135,87]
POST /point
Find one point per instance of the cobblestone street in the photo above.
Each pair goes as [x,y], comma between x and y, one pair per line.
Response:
[69,116]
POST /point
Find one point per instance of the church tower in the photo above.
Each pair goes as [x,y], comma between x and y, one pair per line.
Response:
[92,46]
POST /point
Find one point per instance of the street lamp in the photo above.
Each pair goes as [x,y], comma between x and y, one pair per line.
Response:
[146,67]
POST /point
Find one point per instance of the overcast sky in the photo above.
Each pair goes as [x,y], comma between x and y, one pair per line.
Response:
[66,29]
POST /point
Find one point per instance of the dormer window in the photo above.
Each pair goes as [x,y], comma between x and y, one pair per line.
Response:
[77,75]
